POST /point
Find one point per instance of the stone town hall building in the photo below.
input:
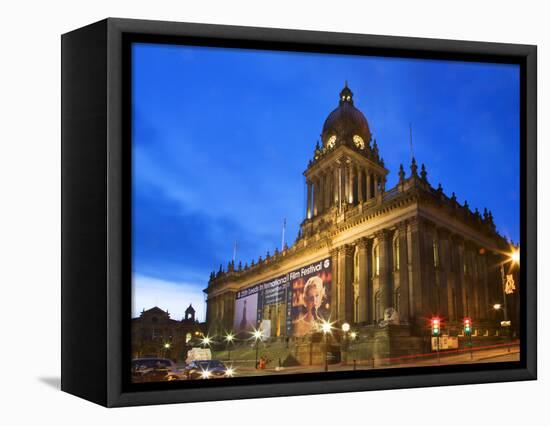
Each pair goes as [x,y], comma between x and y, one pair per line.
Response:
[411,247]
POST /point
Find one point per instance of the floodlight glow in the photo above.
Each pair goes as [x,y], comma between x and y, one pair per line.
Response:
[167,346]
[345,327]
[515,256]
[229,337]
[496,306]
[326,326]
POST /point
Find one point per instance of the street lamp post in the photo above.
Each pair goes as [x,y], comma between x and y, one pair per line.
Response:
[229,339]
[514,258]
[166,347]
[326,327]
[345,330]
[257,335]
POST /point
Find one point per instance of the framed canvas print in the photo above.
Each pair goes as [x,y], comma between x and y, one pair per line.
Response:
[253,212]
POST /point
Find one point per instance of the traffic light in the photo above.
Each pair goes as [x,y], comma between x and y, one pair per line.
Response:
[467,326]
[435,323]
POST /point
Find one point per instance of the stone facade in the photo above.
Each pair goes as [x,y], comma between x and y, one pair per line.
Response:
[411,247]
[155,334]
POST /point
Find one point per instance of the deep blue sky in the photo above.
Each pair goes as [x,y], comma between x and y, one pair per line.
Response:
[221,138]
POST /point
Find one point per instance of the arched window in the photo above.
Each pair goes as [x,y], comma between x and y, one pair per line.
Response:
[376,260]
[396,256]
[356,266]
[435,246]
[396,298]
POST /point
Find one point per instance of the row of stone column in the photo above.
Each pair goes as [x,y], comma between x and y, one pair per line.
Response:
[220,313]
[437,273]
[342,183]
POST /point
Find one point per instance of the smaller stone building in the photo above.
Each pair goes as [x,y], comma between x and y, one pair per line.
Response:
[155,334]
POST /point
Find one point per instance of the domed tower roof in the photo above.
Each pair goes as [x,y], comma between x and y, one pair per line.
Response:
[345,122]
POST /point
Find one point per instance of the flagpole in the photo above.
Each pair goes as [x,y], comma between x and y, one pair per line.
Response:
[411,141]
[283,237]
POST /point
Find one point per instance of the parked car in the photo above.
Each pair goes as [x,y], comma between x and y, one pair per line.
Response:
[207,369]
[154,370]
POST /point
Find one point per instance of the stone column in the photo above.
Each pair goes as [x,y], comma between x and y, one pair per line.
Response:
[345,293]
[308,210]
[334,303]
[327,195]
[375,185]
[468,281]
[445,296]
[315,196]
[369,184]
[321,194]
[462,280]
[336,184]
[455,247]
[365,290]
[386,291]
[429,283]
[485,284]
[344,183]
[416,257]
[351,177]
[404,297]
[360,178]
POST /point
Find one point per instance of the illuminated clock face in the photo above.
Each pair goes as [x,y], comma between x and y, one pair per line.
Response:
[331,141]
[358,141]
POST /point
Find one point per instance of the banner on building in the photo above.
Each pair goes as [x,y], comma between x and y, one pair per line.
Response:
[296,301]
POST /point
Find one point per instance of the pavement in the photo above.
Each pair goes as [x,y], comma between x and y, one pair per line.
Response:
[489,355]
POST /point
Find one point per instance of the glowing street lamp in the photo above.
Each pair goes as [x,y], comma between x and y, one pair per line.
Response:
[165,347]
[206,341]
[326,327]
[229,337]
[514,256]
[345,329]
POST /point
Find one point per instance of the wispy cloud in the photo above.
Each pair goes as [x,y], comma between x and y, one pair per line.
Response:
[173,296]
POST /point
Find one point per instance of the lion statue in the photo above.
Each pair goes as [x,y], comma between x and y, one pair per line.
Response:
[391,316]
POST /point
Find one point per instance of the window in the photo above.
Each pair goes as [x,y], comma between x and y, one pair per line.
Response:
[435,245]
[396,258]
[356,266]
[376,260]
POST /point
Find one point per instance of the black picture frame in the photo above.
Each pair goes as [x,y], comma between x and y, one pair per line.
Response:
[95,210]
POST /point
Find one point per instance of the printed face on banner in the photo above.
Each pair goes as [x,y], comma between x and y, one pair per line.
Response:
[311,298]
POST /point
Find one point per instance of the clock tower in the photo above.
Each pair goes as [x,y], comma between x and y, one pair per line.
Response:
[346,169]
